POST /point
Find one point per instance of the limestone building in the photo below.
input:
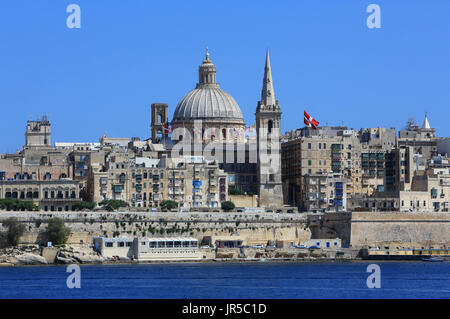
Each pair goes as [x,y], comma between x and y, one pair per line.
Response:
[208,122]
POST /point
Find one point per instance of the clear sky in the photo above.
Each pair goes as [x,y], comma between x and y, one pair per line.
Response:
[102,78]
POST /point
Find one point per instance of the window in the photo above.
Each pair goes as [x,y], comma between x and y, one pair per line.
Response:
[269,126]
[109,244]
[309,162]
[121,244]
[433,193]
[309,146]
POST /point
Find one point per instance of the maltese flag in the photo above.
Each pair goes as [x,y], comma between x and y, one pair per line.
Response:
[310,121]
[167,129]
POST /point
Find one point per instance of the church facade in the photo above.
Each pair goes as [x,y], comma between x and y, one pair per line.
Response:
[208,122]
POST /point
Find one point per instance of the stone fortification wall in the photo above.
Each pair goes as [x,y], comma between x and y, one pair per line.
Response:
[401,229]
[257,228]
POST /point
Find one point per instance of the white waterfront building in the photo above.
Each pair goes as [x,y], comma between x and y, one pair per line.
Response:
[149,249]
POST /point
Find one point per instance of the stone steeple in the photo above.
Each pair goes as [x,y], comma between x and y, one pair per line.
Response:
[267,94]
[426,124]
[268,133]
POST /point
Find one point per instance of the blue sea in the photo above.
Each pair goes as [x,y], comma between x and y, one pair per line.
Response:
[230,280]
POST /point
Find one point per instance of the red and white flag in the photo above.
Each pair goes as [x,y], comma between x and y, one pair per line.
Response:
[196,130]
[310,121]
[167,129]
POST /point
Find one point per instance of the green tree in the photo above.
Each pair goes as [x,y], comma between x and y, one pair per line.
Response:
[228,206]
[14,232]
[57,232]
[234,191]
[83,205]
[112,204]
[168,205]
[17,205]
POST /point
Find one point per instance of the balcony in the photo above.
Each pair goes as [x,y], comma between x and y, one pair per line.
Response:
[336,147]
[118,188]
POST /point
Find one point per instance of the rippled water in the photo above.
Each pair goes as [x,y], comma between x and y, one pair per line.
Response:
[230,280]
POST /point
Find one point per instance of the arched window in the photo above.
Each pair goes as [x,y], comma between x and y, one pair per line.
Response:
[270,126]
[17,176]
[47,176]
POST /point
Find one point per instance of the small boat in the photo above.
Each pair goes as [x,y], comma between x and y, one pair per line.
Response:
[433,259]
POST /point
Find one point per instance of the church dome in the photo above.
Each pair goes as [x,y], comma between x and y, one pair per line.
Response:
[208,102]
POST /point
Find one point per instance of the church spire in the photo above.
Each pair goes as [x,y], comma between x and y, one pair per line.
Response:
[267,94]
[426,124]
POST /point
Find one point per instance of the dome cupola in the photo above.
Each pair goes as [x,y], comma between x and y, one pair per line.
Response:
[207,102]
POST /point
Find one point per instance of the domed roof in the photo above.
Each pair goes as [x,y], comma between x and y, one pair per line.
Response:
[208,102]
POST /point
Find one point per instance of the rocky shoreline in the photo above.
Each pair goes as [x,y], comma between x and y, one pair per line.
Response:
[35,255]
[84,254]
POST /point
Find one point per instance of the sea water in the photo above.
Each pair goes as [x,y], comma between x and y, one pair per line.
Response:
[230,280]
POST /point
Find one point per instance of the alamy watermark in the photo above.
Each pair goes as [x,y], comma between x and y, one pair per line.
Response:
[374,279]
[74,279]
[374,19]
[74,18]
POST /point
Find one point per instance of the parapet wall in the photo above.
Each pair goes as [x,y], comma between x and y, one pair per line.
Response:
[404,229]
[257,228]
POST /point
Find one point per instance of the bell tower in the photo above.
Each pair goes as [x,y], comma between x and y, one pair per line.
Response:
[38,133]
[159,119]
[268,130]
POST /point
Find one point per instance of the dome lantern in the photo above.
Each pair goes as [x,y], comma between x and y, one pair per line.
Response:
[206,72]
[208,102]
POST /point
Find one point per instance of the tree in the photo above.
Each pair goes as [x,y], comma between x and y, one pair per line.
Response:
[112,204]
[168,205]
[234,191]
[83,205]
[57,232]
[15,231]
[17,204]
[227,206]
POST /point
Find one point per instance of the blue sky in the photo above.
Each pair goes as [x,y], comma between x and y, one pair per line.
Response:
[102,78]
